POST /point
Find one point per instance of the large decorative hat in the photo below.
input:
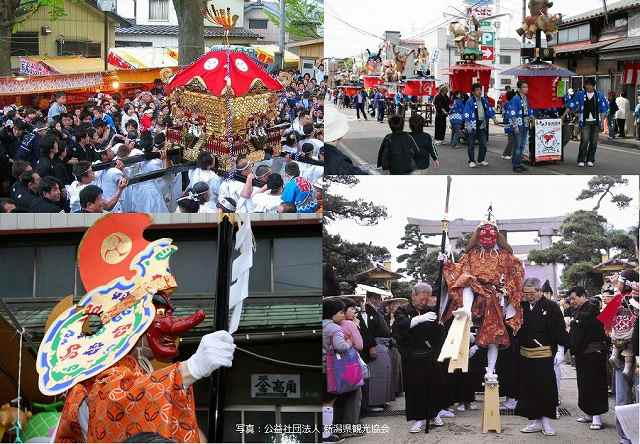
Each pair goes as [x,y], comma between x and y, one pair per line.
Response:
[489,220]
[121,272]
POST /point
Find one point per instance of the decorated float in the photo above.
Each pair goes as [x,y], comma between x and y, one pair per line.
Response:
[545,85]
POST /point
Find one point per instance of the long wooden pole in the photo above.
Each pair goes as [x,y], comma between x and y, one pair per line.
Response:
[226,235]
[443,244]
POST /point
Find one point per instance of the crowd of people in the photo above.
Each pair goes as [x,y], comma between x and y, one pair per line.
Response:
[400,344]
[584,115]
[84,158]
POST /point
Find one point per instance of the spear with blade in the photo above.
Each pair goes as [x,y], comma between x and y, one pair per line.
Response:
[443,246]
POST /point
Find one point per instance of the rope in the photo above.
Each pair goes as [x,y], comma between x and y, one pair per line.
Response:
[277,361]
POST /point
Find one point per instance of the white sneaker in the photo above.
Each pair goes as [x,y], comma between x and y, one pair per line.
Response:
[532,427]
[547,429]
[417,426]
[507,157]
[460,407]
[580,164]
[376,409]
[484,163]
[446,414]
[437,421]
[589,164]
[472,164]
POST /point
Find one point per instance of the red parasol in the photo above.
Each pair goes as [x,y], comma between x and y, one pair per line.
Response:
[217,69]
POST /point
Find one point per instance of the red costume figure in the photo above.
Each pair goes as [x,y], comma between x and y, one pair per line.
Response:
[619,317]
[99,350]
[487,284]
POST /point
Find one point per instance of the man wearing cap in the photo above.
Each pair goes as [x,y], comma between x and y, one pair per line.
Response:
[543,340]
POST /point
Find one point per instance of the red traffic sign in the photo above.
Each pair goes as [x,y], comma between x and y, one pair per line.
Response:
[488,52]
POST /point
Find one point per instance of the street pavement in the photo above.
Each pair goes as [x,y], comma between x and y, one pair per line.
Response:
[466,427]
[362,143]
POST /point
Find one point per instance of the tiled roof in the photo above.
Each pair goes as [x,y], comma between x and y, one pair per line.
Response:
[209,31]
[611,8]
[582,46]
[625,43]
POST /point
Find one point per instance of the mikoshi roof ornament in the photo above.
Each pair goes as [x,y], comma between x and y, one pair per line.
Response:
[227,97]
[121,272]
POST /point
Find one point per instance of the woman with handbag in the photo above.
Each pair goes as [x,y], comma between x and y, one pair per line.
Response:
[420,337]
[347,406]
[341,362]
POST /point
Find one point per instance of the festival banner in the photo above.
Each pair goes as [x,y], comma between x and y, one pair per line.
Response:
[548,139]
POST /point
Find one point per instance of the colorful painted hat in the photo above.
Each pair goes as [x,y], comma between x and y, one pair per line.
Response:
[121,272]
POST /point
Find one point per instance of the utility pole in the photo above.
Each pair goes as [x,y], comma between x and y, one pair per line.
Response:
[280,60]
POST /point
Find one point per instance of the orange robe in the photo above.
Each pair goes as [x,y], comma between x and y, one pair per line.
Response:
[486,272]
[124,400]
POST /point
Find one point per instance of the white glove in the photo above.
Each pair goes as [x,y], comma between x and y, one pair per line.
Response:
[472,338]
[442,257]
[427,317]
[215,351]
[473,350]
[559,358]
[509,311]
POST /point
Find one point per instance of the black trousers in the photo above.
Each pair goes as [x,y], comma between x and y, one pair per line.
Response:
[621,124]
[359,109]
[591,375]
[441,127]
[588,142]
[538,389]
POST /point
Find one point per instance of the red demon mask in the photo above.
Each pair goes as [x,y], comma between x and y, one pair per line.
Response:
[488,235]
[163,335]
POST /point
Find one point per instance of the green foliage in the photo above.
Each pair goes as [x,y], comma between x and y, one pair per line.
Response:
[401,289]
[25,9]
[585,237]
[421,259]
[360,211]
[348,258]
[601,186]
[303,18]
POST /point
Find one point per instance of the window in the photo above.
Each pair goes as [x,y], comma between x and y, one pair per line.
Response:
[159,10]
[505,60]
[81,48]
[574,34]
[25,44]
[505,81]
[295,261]
[258,23]
[126,43]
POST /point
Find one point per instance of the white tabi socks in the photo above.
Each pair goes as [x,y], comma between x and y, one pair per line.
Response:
[547,429]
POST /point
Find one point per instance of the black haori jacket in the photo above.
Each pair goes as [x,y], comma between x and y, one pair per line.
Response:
[425,339]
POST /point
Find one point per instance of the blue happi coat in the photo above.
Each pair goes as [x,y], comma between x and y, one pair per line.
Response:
[470,109]
[455,114]
[576,103]
[515,113]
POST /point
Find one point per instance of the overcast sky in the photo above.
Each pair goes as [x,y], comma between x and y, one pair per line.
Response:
[411,17]
[511,197]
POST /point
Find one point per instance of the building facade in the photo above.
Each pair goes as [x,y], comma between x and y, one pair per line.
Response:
[606,48]
[155,23]
[79,33]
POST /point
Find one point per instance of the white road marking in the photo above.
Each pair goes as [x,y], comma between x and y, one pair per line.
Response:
[361,163]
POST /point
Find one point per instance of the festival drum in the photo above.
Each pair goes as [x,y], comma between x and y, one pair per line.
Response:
[372,81]
[420,87]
